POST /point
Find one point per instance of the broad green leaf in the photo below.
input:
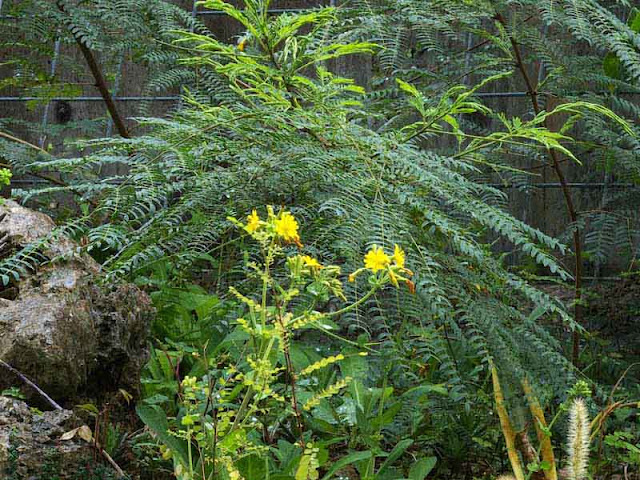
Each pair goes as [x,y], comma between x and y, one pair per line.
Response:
[348,460]
[422,468]
[634,22]
[396,453]
[154,418]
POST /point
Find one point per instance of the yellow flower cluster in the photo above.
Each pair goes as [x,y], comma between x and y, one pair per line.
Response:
[328,392]
[377,260]
[326,361]
[287,227]
[398,256]
[253,221]
[189,382]
[311,262]
[5,176]
[283,225]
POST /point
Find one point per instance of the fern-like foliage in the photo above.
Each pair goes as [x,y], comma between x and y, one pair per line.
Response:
[297,135]
[40,60]
[434,43]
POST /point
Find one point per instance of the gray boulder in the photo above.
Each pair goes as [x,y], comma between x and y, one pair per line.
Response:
[57,326]
[31,446]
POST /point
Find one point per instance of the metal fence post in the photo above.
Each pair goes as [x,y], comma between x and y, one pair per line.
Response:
[45,113]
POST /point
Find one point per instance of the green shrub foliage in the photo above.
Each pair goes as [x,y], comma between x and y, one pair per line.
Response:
[284,130]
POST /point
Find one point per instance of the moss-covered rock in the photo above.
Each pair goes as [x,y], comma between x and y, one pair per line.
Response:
[61,329]
[31,446]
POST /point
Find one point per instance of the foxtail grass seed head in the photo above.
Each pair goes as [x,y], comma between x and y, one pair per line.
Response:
[578,440]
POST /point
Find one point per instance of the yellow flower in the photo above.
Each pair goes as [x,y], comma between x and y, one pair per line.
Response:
[287,227]
[188,420]
[166,454]
[376,259]
[189,382]
[311,262]
[253,221]
[398,256]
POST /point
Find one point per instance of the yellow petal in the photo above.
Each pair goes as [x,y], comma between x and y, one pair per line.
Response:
[398,256]
[376,259]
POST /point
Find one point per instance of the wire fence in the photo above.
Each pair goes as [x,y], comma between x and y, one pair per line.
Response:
[272,11]
[116,88]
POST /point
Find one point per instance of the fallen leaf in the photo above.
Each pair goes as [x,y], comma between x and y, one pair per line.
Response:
[70,434]
[84,433]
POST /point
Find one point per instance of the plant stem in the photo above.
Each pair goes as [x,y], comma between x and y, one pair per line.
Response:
[23,142]
[507,428]
[31,384]
[566,192]
[100,84]
[292,381]
[540,425]
[189,451]
[353,305]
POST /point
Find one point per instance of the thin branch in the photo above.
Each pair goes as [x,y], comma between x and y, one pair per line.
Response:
[101,83]
[23,142]
[109,459]
[566,191]
[598,422]
[35,174]
[55,405]
[31,384]
[489,40]
[43,176]
[624,374]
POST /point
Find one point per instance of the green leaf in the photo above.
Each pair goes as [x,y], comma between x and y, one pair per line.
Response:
[423,390]
[634,22]
[612,66]
[545,465]
[348,460]
[355,366]
[408,88]
[252,466]
[452,121]
[538,312]
[13,392]
[156,399]
[422,468]
[154,418]
[233,12]
[387,416]
[396,453]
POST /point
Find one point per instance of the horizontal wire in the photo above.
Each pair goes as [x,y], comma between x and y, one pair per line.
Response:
[172,98]
[271,11]
[494,185]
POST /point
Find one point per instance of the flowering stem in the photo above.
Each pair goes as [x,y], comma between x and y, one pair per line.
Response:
[338,337]
[265,283]
[189,451]
[243,406]
[355,304]
[505,424]
[292,381]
